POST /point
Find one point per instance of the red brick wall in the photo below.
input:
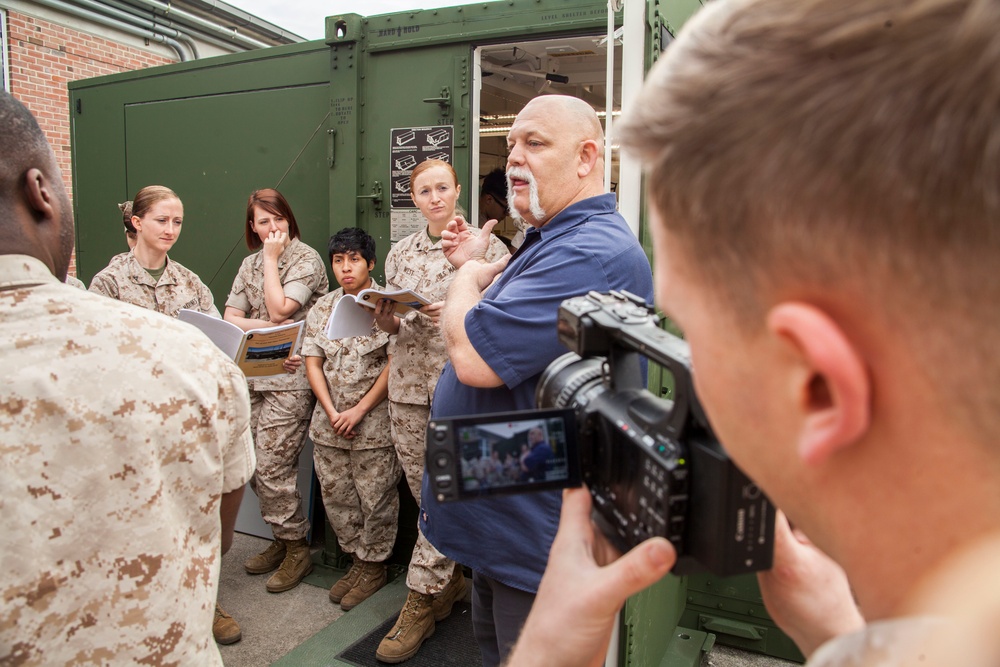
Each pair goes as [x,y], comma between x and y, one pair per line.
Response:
[45,56]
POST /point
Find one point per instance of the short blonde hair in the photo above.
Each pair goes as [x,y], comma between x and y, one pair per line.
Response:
[802,146]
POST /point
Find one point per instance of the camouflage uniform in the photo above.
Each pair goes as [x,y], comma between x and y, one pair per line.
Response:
[418,355]
[110,502]
[281,406]
[358,476]
[73,281]
[124,279]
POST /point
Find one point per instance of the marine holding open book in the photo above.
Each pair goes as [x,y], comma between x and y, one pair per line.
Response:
[279,282]
[417,350]
[356,464]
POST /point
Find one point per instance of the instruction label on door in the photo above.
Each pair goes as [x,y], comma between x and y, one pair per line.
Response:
[408,147]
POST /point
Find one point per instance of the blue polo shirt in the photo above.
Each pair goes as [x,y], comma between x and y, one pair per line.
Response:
[587,246]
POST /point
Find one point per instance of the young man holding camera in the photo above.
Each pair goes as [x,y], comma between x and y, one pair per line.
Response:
[499,341]
[825,185]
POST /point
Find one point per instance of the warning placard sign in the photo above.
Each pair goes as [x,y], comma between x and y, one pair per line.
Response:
[408,147]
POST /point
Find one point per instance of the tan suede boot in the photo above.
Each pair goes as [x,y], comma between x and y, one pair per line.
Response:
[372,578]
[267,560]
[346,582]
[294,568]
[452,593]
[414,625]
[225,629]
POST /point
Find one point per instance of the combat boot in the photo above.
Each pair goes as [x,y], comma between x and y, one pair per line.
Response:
[294,568]
[346,582]
[414,625]
[225,629]
[267,560]
[372,578]
[452,593]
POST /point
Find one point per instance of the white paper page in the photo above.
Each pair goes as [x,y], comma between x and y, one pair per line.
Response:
[349,319]
[226,335]
[406,298]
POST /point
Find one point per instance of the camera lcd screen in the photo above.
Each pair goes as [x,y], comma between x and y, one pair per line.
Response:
[503,453]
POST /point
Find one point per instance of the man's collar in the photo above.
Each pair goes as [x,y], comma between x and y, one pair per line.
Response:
[566,219]
[578,212]
[24,269]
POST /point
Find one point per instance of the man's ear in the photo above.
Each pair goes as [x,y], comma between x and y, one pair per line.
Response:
[46,234]
[38,193]
[589,152]
[833,391]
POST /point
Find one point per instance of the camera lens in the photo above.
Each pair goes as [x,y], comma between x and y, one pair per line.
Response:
[566,379]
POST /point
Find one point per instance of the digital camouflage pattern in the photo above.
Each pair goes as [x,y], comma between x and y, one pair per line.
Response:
[418,355]
[359,486]
[351,366]
[303,278]
[121,430]
[124,279]
[360,498]
[282,405]
[73,281]
[417,350]
[279,421]
[429,571]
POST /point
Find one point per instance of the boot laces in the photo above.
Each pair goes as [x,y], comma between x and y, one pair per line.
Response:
[412,607]
[355,571]
[367,574]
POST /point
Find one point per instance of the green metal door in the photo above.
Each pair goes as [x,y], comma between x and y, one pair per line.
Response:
[377,88]
[213,131]
[270,134]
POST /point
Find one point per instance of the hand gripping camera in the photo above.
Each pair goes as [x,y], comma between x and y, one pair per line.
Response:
[653,466]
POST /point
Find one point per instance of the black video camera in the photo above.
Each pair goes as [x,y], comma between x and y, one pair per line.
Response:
[653,466]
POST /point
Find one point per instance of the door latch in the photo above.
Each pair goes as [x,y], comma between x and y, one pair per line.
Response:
[443,101]
[375,196]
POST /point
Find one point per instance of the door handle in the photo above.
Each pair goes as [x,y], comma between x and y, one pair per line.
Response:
[375,196]
[444,101]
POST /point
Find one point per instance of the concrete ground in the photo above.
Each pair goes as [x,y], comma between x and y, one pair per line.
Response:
[724,656]
[274,624]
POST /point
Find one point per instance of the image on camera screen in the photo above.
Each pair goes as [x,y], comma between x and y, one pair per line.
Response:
[504,454]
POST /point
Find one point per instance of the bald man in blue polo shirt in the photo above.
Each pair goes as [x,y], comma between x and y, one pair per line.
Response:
[501,339]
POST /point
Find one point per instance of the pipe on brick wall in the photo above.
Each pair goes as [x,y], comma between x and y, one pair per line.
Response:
[223,8]
[166,22]
[165,28]
[116,24]
[142,22]
[188,18]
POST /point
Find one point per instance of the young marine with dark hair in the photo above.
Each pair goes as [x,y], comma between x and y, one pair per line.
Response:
[356,463]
